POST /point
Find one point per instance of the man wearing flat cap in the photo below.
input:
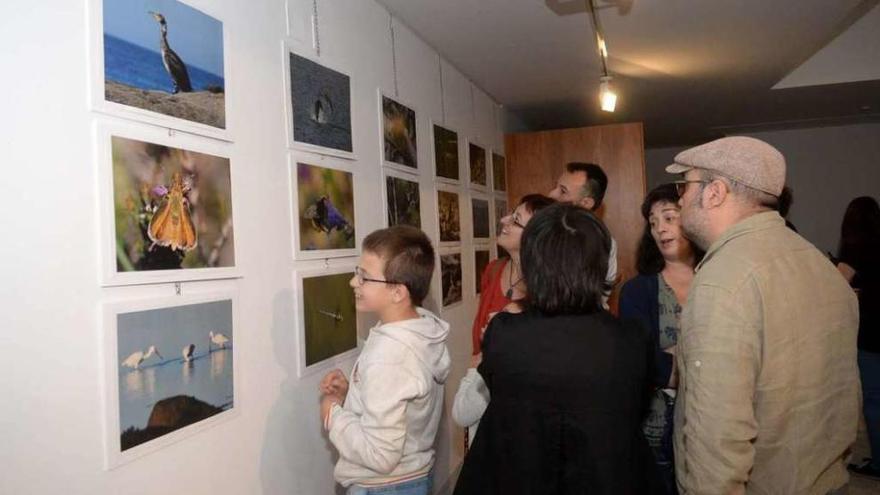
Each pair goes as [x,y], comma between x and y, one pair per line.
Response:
[768,384]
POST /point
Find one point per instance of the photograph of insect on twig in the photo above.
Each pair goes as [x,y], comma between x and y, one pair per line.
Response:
[172,208]
[329,316]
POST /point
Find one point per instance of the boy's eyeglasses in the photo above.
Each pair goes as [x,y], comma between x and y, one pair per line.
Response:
[681,185]
[361,279]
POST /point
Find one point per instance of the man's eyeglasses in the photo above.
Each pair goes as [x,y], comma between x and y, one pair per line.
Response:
[681,185]
[361,279]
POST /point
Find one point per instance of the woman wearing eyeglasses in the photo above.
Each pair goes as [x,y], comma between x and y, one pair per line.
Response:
[665,261]
[501,285]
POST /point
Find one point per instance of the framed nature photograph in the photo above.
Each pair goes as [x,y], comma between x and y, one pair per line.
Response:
[499,172]
[170,370]
[323,209]
[167,207]
[477,161]
[480,217]
[399,143]
[501,211]
[451,279]
[449,216]
[402,199]
[481,261]
[445,154]
[318,100]
[160,61]
[327,318]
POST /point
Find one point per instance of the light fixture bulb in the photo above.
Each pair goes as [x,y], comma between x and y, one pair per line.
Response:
[607,98]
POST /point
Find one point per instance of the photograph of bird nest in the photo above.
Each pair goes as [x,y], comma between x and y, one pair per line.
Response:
[166,57]
[446,153]
[399,133]
[172,211]
[449,216]
[328,317]
[477,159]
[320,100]
[403,202]
[325,209]
[171,366]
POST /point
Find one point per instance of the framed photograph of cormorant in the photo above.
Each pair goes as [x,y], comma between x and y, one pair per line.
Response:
[449,216]
[451,278]
[323,209]
[477,161]
[162,62]
[327,318]
[399,143]
[480,217]
[481,261]
[318,101]
[166,206]
[445,154]
[402,199]
[170,370]
[499,173]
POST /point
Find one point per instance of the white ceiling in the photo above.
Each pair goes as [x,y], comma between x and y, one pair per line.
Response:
[689,69]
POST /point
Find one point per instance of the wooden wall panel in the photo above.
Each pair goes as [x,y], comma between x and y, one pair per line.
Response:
[536,159]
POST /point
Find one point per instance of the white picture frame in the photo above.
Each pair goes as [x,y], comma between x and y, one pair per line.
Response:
[471,184]
[324,161]
[289,49]
[162,375]
[445,302]
[304,368]
[96,84]
[104,131]
[435,174]
[388,172]
[446,188]
[381,96]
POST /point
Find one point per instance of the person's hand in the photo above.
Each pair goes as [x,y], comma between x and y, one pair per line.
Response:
[513,307]
[327,402]
[673,376]
[847,271]
[671,350]
[334,383]
[476,359]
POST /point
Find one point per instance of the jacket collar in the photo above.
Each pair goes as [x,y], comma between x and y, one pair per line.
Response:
[754,223]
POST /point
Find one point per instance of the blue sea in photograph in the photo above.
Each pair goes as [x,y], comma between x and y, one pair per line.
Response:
[208,377]
[141,68]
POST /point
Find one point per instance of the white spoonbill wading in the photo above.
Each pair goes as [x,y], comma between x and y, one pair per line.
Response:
[135,359]
[218,339]
[188,352]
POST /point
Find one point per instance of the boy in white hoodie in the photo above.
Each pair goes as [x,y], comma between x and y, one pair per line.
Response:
[384,423]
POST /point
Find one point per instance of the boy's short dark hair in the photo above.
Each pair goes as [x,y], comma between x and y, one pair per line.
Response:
[564,258]
[597,181]
[408,256]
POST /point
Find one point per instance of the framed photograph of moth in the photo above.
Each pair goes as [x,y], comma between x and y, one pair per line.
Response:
[318,101]
[170,370]
[499,172]
[399,143]
[323,209]
[445,154]
[477,161]
[402,199]
[159,61]
[449,216]
[451,278]
[327,318]
[167,207]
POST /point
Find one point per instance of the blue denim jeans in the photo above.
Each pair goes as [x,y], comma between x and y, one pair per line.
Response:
[869,369]
[418,486]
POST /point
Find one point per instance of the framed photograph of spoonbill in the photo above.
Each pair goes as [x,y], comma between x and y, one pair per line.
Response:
[167,207]
[327,318]
[399,143]
[170,370]
[323,209]
[159,61]
[318,101]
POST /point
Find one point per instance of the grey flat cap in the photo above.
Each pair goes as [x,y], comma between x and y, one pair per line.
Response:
[749,161]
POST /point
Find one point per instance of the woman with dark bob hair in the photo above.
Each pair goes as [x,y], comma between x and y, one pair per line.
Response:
[665,261]
[568,381]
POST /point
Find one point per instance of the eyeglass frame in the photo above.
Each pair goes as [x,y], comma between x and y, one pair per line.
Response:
[681,185]
[512,221]
[361,279]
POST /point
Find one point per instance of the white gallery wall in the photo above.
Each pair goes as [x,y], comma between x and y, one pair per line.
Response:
[826,168]
[52,407]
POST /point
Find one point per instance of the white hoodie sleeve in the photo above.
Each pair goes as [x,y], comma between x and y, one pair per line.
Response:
[375,438]
[471,400]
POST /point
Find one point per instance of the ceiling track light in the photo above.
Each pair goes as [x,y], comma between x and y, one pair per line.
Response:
[607,97]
